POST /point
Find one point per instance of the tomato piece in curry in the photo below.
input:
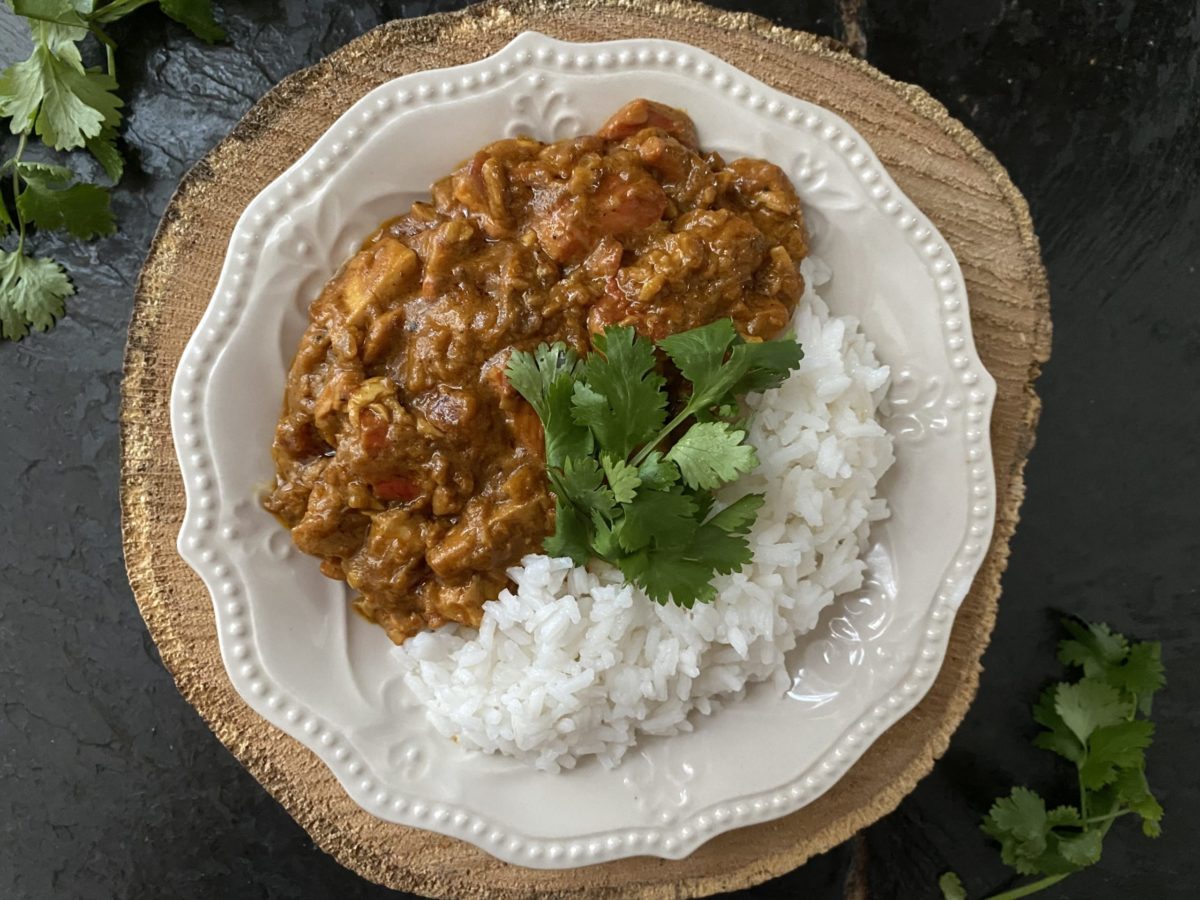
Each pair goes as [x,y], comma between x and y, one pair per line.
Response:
[404,459]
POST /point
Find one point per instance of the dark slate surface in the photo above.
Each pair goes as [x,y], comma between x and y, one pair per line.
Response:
[112,787]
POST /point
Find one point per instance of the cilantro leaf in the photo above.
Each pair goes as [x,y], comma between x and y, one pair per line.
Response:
[765,364]
[570,536]
[71,104]
[1094,648]
[739,516]
[1081,849]
[626,488]
[711,454]
[580,482]
[1134,792]
[32,291]
[666,578]
[657,473]
[622,398]
[1094,723]
[603,540]
[716,381]
[197,16]
[1058,738]
[1063,815]
[59,12]
[545,378]
[80,209]
[700,353]
[1141,675]
[952,887]
[668,516]
[1112,748]
[1087,705]
[622,478]
[722,551]
[104,148]
[1019,823]
[22,86]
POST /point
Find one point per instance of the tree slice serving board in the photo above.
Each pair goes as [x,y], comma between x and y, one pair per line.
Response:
[937,162]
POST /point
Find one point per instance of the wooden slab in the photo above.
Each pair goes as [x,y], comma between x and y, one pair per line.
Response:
[936,162]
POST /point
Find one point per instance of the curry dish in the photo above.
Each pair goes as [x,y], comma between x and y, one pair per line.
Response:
[404,459]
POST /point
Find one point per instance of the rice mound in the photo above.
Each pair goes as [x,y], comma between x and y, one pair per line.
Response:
[576,662]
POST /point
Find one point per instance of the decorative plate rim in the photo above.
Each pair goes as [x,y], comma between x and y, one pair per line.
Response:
[202,547]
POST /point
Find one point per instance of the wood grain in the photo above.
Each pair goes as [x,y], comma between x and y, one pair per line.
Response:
[935,161]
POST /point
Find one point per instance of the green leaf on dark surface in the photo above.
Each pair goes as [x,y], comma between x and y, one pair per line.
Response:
[952,887]
[54,96]
[51,203]
[197,16]
[1112,748]
[32,291]
[1093,723]
[103,148]
[1087,705]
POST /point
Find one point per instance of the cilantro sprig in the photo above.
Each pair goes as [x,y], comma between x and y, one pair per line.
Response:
[1099,723]
[54,96]
[633,485]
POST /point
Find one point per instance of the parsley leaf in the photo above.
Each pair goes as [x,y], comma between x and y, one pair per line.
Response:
[711,454]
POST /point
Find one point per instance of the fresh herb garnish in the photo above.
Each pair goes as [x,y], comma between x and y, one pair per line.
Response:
[1101,724]
[626,490]
[70,106]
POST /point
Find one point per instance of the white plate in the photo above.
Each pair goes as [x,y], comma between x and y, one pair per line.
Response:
[301,658]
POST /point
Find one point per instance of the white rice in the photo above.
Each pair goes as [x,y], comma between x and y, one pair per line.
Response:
[578,663]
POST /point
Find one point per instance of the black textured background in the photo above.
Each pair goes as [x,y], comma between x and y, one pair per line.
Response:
[111,786]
